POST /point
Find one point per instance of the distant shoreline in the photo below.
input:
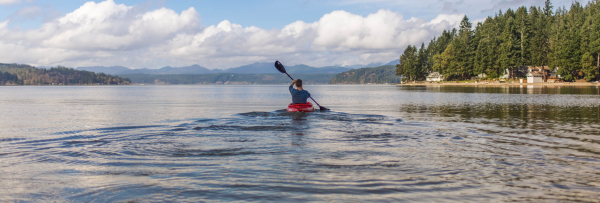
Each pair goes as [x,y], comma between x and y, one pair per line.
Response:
[16,85]
[486,84]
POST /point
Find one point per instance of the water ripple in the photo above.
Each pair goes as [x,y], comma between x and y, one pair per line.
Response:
[278,156]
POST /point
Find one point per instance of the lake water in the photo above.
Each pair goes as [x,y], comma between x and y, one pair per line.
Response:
[237,143]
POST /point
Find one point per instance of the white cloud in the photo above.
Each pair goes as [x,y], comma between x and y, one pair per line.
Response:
[3,24]
[107,33]
[95,30]
[338,38]
[6,2]
[108,26]
[446,19]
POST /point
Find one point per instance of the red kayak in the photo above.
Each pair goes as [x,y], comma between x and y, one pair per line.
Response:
[308,107]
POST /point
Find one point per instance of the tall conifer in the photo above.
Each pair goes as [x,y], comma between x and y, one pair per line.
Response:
[422,61]
[463,50]
[523,26]
[509,56]
[588,65]
[595,32]
[408,65]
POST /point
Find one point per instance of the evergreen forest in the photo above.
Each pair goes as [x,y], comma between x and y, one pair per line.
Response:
[19,74]
[567,38]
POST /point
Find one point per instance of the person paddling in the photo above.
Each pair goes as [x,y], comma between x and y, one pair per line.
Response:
[281,69]
[299,96]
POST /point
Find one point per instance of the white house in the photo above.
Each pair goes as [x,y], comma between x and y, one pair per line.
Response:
[505,74]
[534,77]
[434,77]
[554,73]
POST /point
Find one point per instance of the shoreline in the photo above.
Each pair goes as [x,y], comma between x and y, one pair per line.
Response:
[486,84]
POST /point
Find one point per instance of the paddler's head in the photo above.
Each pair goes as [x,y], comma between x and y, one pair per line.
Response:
[298,83]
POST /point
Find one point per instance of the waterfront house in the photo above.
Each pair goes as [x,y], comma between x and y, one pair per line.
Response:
[541,69]
[515,72]
[545,71]
[519,72]
[434,77]
[534,77]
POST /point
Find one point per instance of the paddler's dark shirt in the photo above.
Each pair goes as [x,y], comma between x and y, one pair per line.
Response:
[299,96]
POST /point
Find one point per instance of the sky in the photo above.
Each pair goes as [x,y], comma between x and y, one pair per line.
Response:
[228,33]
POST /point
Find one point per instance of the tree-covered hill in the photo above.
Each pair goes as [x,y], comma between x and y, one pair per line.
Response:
[565,38]
[8,78]
[19,74]
[227,78]
[377,75]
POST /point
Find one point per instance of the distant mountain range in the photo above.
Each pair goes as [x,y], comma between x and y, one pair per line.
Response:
[378,75]
[255,68]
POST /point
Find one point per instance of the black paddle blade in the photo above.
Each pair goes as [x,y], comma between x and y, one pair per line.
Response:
[323,109]
[279,67]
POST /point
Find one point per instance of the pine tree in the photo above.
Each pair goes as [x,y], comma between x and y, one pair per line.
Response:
[436,47]
[463,50]
[477,37]
[422,61]
[535,51]
[588,65]
[446,63]
[595,32]
[523,26]
[559,51]
[482,60]
[509,56]
[430,53]
[495,49]
[544,26]
[567,51]
[589,69]
[408,64]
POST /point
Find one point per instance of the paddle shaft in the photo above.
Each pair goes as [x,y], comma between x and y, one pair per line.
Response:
[310,96]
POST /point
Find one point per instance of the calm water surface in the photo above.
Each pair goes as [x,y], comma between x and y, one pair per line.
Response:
[237,143]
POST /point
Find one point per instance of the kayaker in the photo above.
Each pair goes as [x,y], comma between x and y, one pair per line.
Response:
[299,96]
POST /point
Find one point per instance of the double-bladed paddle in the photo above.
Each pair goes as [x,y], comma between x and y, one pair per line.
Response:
[281,69]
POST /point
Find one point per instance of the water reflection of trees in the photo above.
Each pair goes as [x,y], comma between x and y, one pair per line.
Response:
[528,116]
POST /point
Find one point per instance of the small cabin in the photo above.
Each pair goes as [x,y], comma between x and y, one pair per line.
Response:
[434,77]
[534,77]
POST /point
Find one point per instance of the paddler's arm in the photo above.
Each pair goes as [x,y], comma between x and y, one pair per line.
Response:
[292,87]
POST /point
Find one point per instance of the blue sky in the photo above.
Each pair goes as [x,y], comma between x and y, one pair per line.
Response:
[276,14]
[223,34]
